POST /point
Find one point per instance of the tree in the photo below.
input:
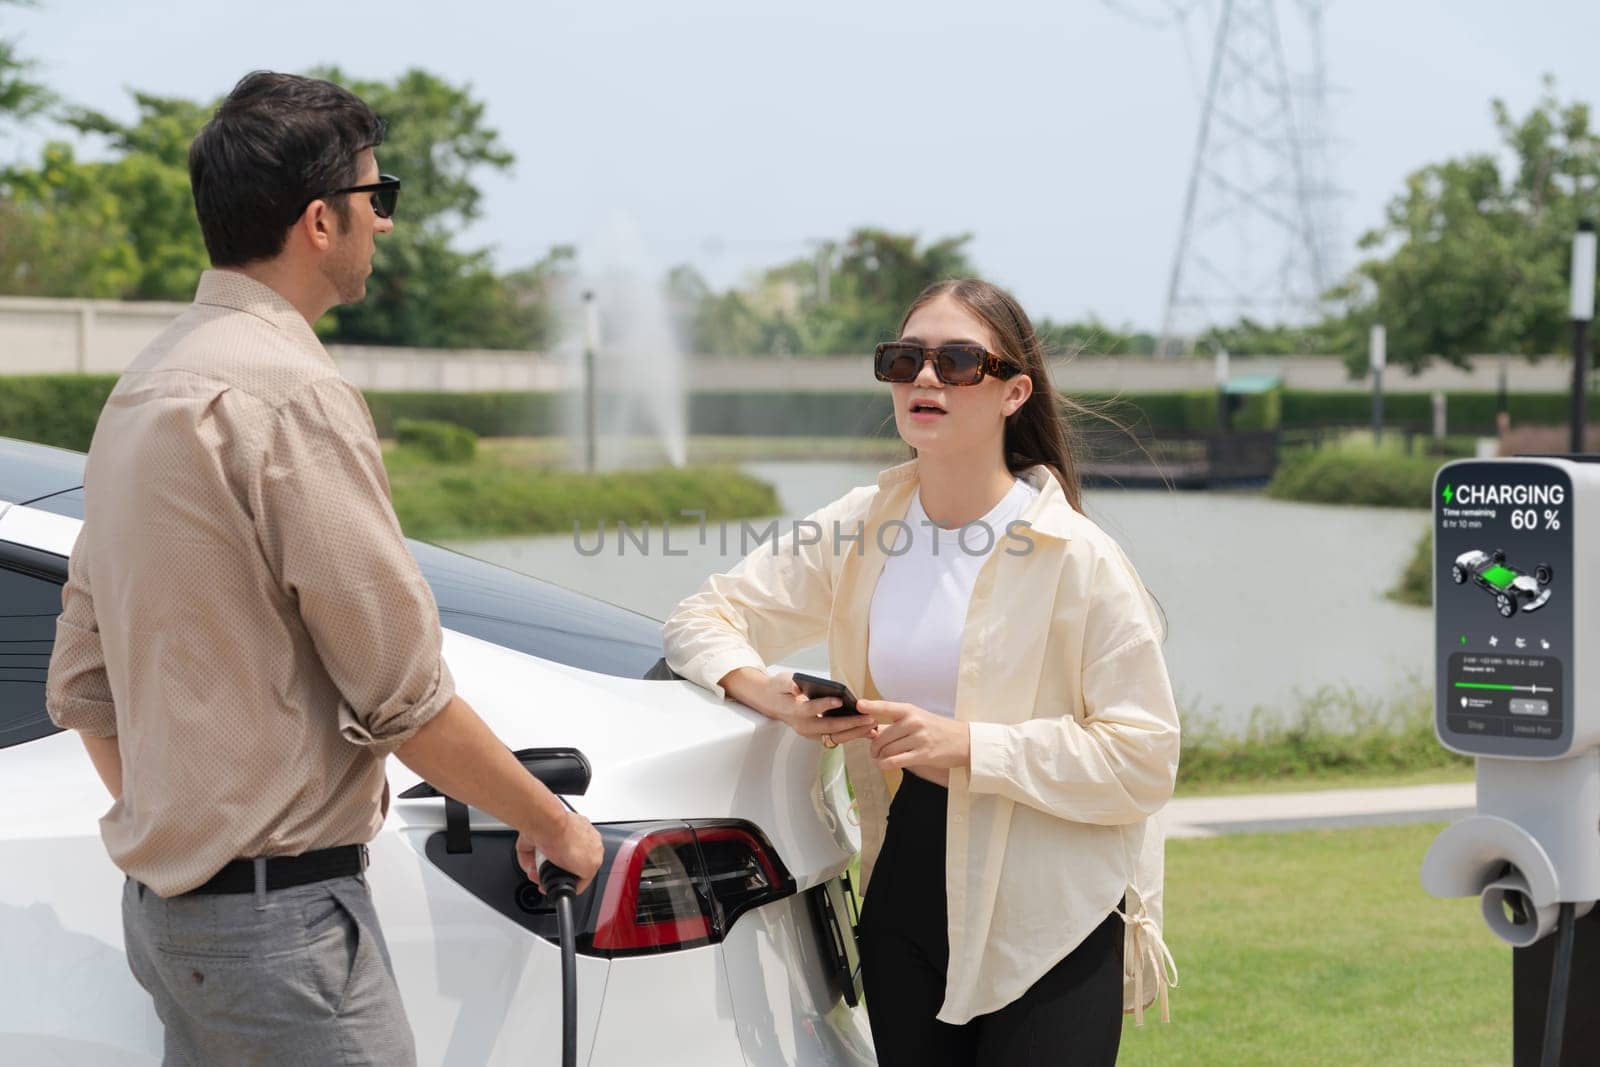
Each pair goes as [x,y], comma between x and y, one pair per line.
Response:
[149,181]
[125,227]
[423,290]
[1473,259]
[1248,337]
[1093,338]
[846,299]
[21,98]
[63,232]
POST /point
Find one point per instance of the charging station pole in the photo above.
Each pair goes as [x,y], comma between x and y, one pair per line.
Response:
[1516,618]
[1530,998]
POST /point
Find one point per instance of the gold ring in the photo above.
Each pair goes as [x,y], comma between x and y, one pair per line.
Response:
[829,742]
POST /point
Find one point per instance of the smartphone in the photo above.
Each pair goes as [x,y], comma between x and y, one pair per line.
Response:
[814,687]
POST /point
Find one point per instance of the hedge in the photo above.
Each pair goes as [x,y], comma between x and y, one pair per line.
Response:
[61,410]
[1466,412]
[485,414]
[56,409]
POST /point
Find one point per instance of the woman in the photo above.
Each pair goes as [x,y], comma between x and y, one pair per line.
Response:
[1015,706]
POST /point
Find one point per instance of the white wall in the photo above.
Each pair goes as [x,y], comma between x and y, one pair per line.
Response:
[103,336]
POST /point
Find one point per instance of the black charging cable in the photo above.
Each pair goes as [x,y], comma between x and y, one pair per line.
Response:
[1555,1019]
[561,886]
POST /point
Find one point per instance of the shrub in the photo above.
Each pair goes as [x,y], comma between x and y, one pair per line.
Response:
[441,441]
[1416,581]
[1355,474]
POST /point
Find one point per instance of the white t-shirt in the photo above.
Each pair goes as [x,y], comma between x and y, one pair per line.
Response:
[919,607]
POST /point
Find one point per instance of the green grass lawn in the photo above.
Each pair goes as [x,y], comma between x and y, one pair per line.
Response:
[1320,947]
[1354,779]
[515,488]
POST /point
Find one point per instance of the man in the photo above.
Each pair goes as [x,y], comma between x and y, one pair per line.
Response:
[244,636]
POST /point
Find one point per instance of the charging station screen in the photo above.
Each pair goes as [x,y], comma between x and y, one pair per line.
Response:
[1503,607]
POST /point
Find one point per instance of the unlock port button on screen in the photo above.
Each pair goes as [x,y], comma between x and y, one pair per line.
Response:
[1530,707]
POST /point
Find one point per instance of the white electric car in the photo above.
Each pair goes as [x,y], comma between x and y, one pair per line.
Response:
[720,930]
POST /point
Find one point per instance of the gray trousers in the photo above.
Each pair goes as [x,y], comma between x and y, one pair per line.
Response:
[294,976]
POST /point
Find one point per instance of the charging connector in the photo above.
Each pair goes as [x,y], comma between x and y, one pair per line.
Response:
[561,886]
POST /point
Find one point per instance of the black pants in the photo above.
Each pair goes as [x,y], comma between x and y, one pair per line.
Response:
[1072,1015]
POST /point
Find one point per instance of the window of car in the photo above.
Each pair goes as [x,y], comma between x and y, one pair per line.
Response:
[68,502]
[29,471]
[30,600]
[474,597]
[523,613]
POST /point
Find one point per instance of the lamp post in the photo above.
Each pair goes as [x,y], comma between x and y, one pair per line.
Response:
[1377,355]
[591,342]
[1582,310]
[1224,415]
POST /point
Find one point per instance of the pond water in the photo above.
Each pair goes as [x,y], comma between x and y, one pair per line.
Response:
[1266,601]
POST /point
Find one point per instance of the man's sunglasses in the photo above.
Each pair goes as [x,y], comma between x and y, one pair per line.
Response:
[385,194]
[901,361]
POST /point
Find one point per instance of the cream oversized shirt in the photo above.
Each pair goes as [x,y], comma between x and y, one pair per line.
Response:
[1074,729]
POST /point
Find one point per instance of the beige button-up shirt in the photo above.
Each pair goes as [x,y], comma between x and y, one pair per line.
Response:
[241,610]
[1073,724]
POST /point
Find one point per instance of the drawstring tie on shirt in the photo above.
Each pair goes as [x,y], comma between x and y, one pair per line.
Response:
[1149,947]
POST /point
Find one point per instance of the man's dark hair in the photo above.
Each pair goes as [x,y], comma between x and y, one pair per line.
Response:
[277,143]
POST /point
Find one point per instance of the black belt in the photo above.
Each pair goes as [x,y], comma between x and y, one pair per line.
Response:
[285,872]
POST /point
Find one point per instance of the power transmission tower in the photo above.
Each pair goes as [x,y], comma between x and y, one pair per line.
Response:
[1317,139]
[1257,233]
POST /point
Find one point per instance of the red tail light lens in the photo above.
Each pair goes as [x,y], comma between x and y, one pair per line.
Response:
[663,886]
[678,886]
[651,898]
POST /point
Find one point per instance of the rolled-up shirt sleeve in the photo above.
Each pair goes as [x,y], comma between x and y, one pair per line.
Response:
[329,533]
[773,602]
[77,691]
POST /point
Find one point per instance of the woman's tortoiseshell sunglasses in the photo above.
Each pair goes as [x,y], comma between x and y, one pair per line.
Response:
[901,361]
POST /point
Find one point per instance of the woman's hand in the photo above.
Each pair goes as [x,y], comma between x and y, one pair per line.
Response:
[777,697]
[910,737]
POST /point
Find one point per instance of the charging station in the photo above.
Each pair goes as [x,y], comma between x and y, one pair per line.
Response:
[1516,604]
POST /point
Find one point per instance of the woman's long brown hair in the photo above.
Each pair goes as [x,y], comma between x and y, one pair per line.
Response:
[1043,430]
[1040,431]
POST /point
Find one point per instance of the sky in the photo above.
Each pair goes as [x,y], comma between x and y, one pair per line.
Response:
[731,135]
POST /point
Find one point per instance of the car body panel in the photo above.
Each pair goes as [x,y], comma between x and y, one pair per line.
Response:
[478,989]
[690,1017]
[39,529]
[650,732]
[66,989]
[780,989]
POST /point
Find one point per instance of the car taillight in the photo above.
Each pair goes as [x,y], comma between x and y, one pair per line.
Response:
[662,886]
[681,885]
